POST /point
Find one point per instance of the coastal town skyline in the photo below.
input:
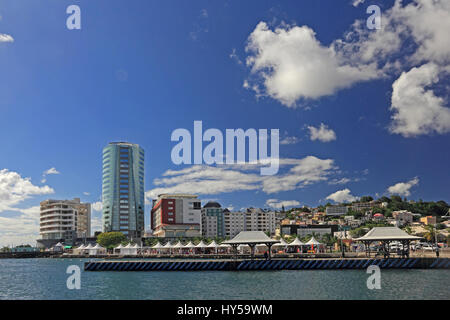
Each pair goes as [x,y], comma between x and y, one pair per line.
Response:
[340,139]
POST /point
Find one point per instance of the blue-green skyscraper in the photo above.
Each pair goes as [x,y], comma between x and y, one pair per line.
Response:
[123,189]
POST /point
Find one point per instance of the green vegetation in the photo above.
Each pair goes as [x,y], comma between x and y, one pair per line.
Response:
[431,208]
[111,240]
[362,230]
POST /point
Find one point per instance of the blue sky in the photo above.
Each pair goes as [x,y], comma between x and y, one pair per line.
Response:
[137,70]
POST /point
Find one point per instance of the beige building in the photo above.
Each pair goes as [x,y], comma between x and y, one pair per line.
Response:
[65,219]
[250,220]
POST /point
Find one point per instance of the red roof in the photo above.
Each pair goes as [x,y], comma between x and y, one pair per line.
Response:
[378,215]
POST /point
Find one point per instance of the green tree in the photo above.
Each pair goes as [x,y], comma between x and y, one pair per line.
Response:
[366,199]
[110,240]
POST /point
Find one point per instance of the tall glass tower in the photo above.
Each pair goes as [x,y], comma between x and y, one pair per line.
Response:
[123,189]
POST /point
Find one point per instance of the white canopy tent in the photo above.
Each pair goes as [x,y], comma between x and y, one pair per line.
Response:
[168,246]
[79,250]
[313,242]
[281,244]
[296,242]
[96,250]
[189,245]
[213,245]
[201,245]
[158,246]
[58,247]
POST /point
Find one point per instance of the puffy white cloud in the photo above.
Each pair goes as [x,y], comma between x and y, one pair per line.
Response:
[417,110]
[6,38]
[289,64]
[244,177]
[428,23]
[278,204]
[23,227]
[342,196]
[323,133]
[403,188]
[15,189]
[292,64]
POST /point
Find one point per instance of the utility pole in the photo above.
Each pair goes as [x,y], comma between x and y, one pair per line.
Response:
[435,240]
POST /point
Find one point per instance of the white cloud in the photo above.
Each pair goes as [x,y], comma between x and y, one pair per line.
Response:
[15,189]
[357,2]
[403,188]
[292,64]
[87,193]
[290,140]
[278,204]
[342,196]
[6,38]
[289,64]
[236,58]
[340,181]
[51,171]
[97,206]
[200,26]
[48,172]
[22,228]
[323,133]
[245,177]
[417,110]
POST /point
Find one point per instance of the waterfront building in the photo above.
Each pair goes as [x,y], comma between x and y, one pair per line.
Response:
[123,189]
[304,230]
[213,222]
[64,219]
[336,210]
[176,215]
[250,220]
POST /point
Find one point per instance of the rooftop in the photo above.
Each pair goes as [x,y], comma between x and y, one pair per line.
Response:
[387,233]
[251,237]
[212,204]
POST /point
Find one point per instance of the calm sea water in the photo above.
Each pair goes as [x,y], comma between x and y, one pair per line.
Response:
[46,279]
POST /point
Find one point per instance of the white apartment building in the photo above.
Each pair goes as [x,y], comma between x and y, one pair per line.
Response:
[336,210]
[65,219]
[251,220]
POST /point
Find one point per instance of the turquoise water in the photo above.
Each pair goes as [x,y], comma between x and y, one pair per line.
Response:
[46,279]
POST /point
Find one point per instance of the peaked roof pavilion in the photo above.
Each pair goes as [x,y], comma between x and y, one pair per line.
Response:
[387,234]
[251,238]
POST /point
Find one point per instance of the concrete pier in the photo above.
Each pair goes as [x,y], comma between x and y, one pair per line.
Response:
[261,265]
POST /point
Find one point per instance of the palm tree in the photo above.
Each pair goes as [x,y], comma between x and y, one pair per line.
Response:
[430,234]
